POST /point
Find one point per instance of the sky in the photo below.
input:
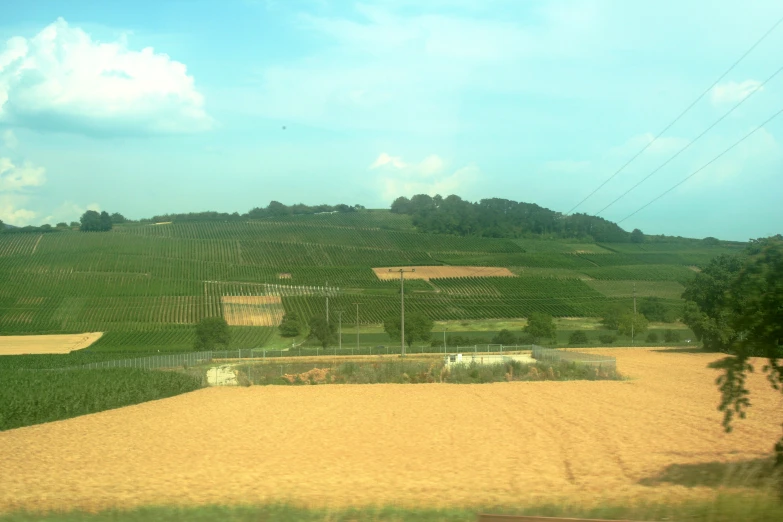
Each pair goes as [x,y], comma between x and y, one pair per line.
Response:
[152,107]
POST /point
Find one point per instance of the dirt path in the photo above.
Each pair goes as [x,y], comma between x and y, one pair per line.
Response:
[429,444]
[39,344]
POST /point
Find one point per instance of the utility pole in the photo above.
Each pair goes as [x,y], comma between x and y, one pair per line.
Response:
[444,341]
[357,326]
[327,302]
[340,329]
[402,306]
[634,313]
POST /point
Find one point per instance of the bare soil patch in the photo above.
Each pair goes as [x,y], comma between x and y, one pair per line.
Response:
[40,344]
[260,310]
[435,272]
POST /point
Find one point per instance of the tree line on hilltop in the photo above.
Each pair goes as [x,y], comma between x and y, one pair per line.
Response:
[504,218]
[93,221]
[494,217]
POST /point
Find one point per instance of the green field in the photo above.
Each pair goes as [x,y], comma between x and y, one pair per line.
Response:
[36,396]
[146,285]
[725,508]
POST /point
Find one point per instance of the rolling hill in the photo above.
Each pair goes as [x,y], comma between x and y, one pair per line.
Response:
[149,283]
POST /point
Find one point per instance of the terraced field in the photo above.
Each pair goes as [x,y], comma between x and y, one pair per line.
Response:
[154,280]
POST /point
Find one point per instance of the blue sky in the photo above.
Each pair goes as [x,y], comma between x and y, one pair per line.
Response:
[149,107]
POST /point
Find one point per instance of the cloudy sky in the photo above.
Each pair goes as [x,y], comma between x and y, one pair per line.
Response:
[149,107]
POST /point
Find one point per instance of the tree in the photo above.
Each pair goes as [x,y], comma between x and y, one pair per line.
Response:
[637,236]
[504,337]
[418,327]
[118,218]
[611,319]
[401,205]
[212,331]
[541,326]
[322,330]
[670,336]
[607,338]
[631,323]
[707,311]
[2,225]
[654,309]
[62,224]
[92,221]
[74,223]
[290,326]
[277,209]
[105,221]
[577,337]
[755,299]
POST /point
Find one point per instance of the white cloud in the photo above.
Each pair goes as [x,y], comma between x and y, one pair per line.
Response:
[734,92]
[385,159]
[430,176]
[9,139]
[11,213]
[69,211]
[63,80]
[14,178]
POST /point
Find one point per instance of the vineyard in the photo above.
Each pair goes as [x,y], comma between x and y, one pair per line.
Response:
[146,285]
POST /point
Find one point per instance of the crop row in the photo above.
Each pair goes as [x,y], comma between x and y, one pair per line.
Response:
[661,289]
[376,309]
[677,273]
[300,232]
[18,244]
[174,339]
[522,287]
[36,396]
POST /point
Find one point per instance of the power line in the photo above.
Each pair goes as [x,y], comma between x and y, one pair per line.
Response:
[713,160]
[743,100]
[708,89]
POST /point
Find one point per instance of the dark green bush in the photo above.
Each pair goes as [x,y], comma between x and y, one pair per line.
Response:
[607,338]
[652,337]
[577,337]
[670,336]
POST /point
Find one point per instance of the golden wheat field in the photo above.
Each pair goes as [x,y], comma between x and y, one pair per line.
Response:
[434,272]
[413,445]
[41,344]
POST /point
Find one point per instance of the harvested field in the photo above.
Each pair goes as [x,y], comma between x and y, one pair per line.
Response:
[39,344]
[259,310]
[429,444]
[435,272]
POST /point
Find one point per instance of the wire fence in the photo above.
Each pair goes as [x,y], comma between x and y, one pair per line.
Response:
[176,360]
[590,359]
[189,359]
